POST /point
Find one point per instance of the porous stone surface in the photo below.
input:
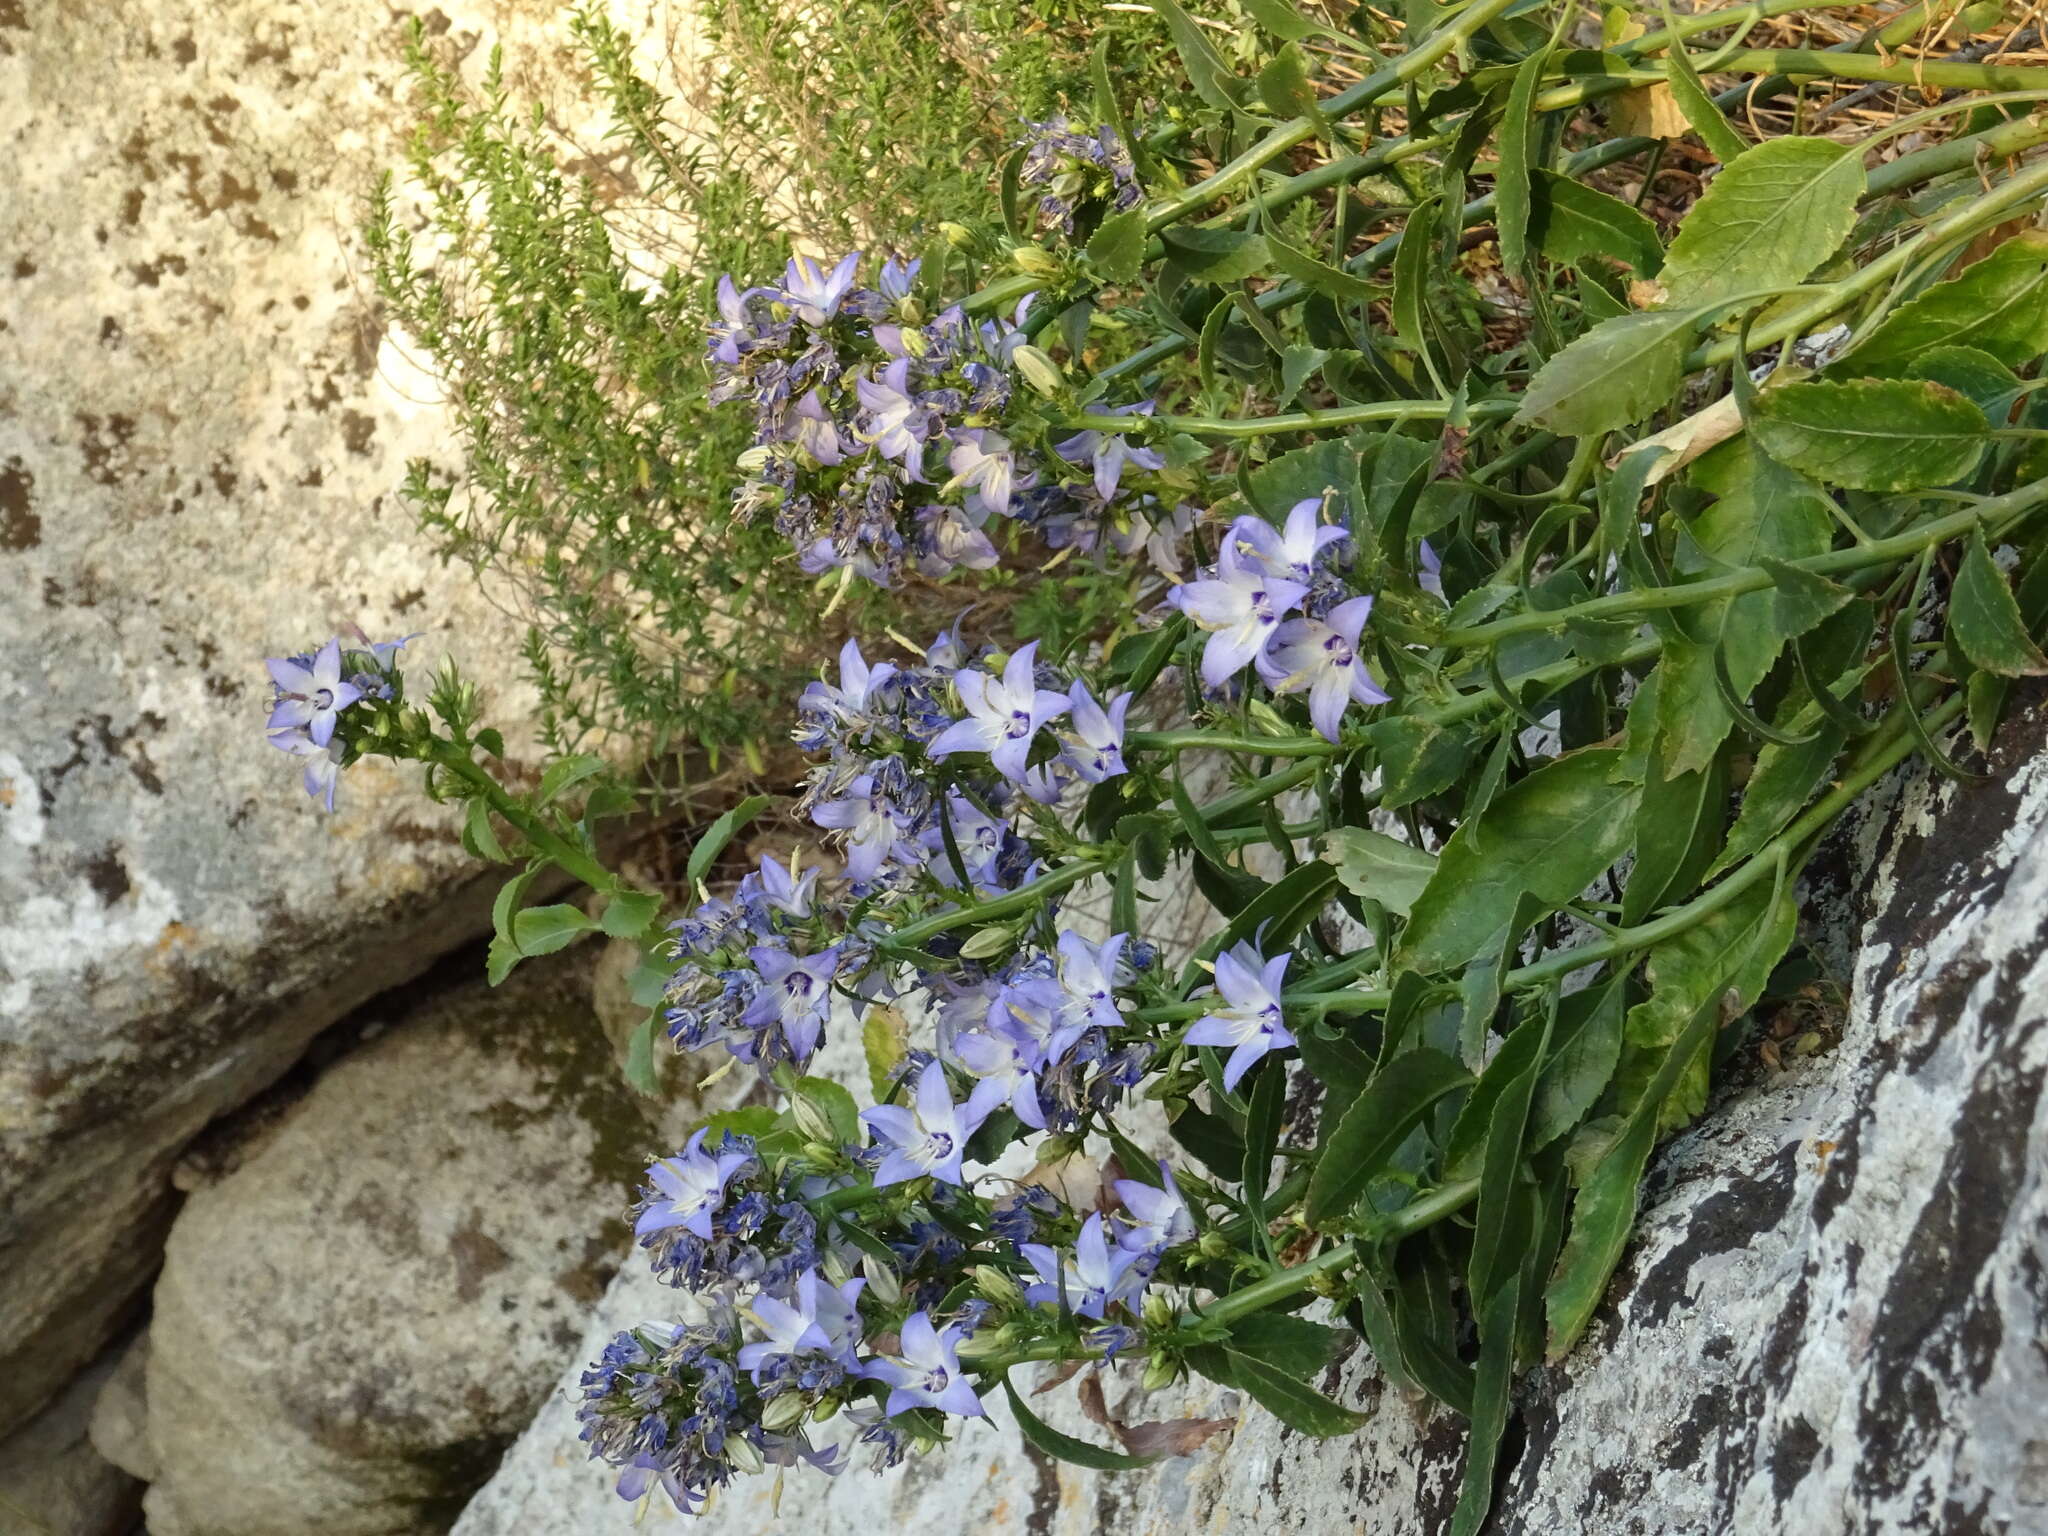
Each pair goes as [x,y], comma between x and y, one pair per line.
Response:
[352,1324]
[203,424]
[1829,1319]
[54,1482]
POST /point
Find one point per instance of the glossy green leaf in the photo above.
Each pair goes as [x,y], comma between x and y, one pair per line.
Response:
[1616,374]
[565,773]
[1080,1453]
[1320,277]
[1216,255]
[1872,434]
[1378,867]
[1765,222]
[478,836]
[1286,1342]
[1586,1047]
[1378,1122]
[1551,836]
[543,930]
[1117,248]
[1570,221]
[708,847]
[1984,617]
[1998,306]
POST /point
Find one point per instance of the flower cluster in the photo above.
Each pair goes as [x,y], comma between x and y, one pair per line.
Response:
[311,695]
[1075,167]
[876,444]
[1275,601]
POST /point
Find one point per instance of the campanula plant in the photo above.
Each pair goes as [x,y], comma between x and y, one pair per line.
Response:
[1500,635]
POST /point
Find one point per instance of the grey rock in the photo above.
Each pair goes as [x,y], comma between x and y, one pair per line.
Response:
[202,427]
[1829,1319]
[54,1482]
[352,1324]
[120,1413]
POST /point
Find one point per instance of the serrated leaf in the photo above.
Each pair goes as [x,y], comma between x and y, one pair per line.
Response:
[1613,376]
[479,836]
[1285,1342]
[510,895]
[1418,758]
[640,1072]
[543,930]
[1872,434]
[718,834]
[1320,277]
[1297,366]
[1984,617]
[1511,183]
[1079,1452]
[1213,80]
[499,960]
[1294,1403]
[1765,222]
[1587,1046]
[1975,375]
[1215,255]
[1358,1150]
[1117,248]
[628,913]
[1378,867]
[1284,85]
[1998,306]
[1721,140]
[565,773]
[1569,221]
[1290,25]
[1550,836]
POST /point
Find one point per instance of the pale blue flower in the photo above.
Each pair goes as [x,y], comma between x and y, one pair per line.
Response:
[1240,605]
[929,1138]
[925,1370]
[1159,1218]
[1321,657]
[311,693]
[1002,714]
[1095,1277]
[812,292]
[1250,1023]
[689,1188]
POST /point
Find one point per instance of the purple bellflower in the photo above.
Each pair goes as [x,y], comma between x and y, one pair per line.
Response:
[1001,1059]
[925,1371]
[1159,1217]
[812,292]
[783,890]
[796,993]
[690,1187]
[876,829]
[1098,1276]
[824,1320]
[1249,1022]
[899,421]
[1291,552]
[1088,975]
[1002,714]
[1241,605]
[930,1137]
[1321,656]
[311,693]
[1094,748]
[322,777]
[1109,452]
[982,462]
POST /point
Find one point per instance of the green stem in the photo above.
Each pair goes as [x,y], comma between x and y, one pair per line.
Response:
[1299,421]
[1816,64]
[536,831]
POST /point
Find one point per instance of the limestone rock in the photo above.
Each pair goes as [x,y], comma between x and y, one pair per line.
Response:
[53,1482]
[352,1324]
[202,428]
[1828,1321]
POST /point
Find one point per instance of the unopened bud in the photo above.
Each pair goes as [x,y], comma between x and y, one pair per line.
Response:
[741,1453]
[882,1281]
[997,1286]
[1268,718]
[756,459]
[1034,259]
[784,1412]
[987,1341]
[1039,370]
[989,941]
[1158,1310]
[1159,1372]
[821,1152]
[837,1270]
[1324,1283]
[1214,1245]
[958,236]
[811,1119]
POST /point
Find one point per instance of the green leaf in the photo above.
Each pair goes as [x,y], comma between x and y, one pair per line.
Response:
[1117,248]
[1975,375]
[493,742]
[1985,619]
[1492,1383]
[1263,1105]
[1588,1036]
[1279,911]
[628,913]
[1292,1402]
[1766,221]
[640,1072]
[1801,599]
[1010,197]
[1378,867]
[1520,1054]
[1377,1123]
[1213,80]
[884,1042]
[1338,1064]
[1210,1138]
[1613,376]
[1284,85]
[1511,184]
[543,930]
[499,960]
[1872,434]
[1297,366]
[1411,279]
[1551,836]
[1783,780]
[1049,1440]
[1678,824]
[834,1104]
[1569,221]
[647,983]
[1285,1342]
[565,773]
[1998,306]
[717,835]
[478,836]
[1418,758]
[1320,276]
[1722,141]
[1215,255]
[1290,25]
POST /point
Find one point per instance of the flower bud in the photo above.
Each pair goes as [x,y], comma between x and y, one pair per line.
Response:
[997,1286]
[1158,1310]
[915,342]
[1040,371]
[882,1281]
[989,941]
[1214,1245]
[757,458]
[1057,1149]
[836,1269]
[821,1153]
[988,1341]
[811,1119]
[1268,718]
[959,236]
[739,1450]
[783,1412]
[1035,259]
[1159,1372]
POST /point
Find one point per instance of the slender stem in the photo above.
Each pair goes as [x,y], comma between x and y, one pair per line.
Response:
[1299,421]
[1816,64]
[531,827]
